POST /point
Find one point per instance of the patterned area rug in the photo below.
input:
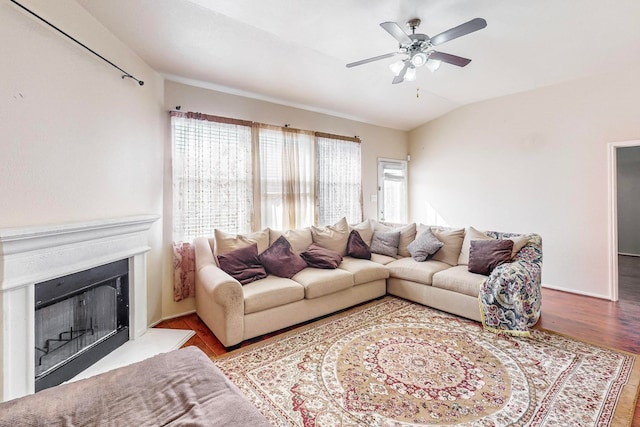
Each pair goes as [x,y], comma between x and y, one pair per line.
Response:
[396,363]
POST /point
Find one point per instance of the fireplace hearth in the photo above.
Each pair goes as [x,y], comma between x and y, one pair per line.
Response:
[79,318]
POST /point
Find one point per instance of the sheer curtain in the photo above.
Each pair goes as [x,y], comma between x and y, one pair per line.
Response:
[287,182]
[212,185]
[339,179]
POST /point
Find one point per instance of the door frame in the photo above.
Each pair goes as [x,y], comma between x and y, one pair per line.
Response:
[613,213]
[380,192]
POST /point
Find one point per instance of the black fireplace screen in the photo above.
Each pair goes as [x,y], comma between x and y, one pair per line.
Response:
[79,319]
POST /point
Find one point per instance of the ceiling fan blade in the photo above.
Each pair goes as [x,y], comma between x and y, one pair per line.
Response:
[459,31]
[397,32]
[400,77]
[375,58]
[449,59]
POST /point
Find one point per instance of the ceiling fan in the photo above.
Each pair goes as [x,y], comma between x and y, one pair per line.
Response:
[418,47]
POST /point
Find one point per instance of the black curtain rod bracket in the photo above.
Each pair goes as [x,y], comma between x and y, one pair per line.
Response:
[124,76]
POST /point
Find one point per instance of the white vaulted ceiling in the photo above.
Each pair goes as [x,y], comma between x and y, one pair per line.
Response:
[294,52]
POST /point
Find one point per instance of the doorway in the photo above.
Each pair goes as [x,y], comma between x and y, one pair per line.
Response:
[624,261]
[392,191]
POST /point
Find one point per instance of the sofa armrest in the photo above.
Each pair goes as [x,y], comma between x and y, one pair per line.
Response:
[219,297]
[511,297]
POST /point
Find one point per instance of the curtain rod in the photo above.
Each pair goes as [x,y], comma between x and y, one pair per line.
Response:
[220,119]
[125,75]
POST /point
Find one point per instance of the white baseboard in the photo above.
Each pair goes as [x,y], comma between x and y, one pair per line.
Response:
[627,254]
[173,316]
[573,291]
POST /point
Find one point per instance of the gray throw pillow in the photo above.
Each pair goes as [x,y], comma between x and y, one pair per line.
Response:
[425,245]
[385,243]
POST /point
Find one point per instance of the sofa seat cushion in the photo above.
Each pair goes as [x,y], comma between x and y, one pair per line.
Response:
[272,291]
[382,259]
[414,271]
[318,282]
[459,279]
[363,270]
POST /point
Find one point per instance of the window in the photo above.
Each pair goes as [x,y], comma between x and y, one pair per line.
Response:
[212,176]
[287,182]
[339,179]
[392,190]
[232,175]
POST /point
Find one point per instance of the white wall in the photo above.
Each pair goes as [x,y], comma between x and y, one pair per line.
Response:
[532,162]
[628,180]
[376,142]
[78,142]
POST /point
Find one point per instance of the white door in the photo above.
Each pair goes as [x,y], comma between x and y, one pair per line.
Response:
[392,190]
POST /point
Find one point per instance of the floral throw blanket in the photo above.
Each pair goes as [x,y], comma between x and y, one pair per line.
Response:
[510,299]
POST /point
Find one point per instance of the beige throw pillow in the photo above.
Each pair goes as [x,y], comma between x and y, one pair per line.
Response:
[225,242]
[332,237]
[469,235]
[407,235]
[452,240]
[300,239]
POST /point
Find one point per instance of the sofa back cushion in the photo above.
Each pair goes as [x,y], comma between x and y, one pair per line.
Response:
[485,255]
[280,260]
[452,239]
[407,235]
[300,239]
[225,242]
[333,237]
[519,241]
[356,247]
[243,264]
[469,235]
[365,229]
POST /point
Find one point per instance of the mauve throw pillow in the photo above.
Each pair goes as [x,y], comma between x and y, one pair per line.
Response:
[385,243]
[485,255]
[319,257]
[280,260]
[243,264]
[425,245]
[356,247]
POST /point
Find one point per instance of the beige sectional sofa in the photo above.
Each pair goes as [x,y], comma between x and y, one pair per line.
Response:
[236,312]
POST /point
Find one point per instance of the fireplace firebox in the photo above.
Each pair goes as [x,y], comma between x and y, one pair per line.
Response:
[79,318]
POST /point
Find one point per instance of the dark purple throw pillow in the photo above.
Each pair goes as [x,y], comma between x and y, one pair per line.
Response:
[319,257]
[280,260]
[485,255]
[356,247]
[243,264]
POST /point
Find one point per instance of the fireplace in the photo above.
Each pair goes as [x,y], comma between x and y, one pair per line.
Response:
[79,318]
[33,257]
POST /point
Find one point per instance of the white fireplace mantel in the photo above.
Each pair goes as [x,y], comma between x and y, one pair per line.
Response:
[30,255]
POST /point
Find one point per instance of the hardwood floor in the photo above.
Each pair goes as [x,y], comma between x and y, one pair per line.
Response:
[598,321]
[629,278]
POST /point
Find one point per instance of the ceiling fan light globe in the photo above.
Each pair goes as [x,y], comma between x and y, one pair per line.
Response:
[396,67]
[410,75]
[433,65]
[419,59]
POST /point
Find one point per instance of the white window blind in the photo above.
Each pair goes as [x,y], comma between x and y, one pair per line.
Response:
[212,175]
[338,179]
